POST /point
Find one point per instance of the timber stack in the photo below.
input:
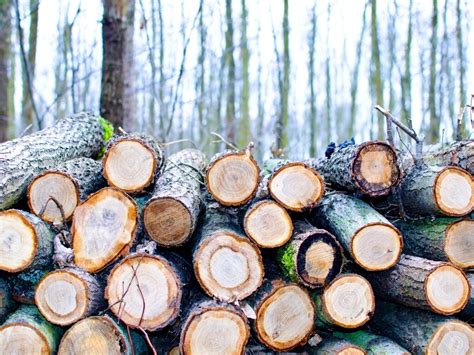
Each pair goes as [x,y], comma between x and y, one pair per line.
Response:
[110,245]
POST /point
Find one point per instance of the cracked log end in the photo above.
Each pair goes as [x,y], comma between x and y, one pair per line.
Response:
[447,290]
[268,224]
[375,168]
[228,267]
[23,338]
[130,165]
[454,191]
[18,241]
[377,246]
[349,301]
[296,186]
[233,178]
[459,243]
[167,221]
[154,296]
[102,227]
[214,330]
[285,318]
[453,337]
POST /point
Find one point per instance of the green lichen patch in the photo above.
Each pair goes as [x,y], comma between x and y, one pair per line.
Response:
[286,260]
[107,132]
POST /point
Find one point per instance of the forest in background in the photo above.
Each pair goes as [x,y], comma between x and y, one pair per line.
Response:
[284,74]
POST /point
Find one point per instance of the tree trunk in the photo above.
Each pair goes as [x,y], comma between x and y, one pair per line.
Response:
[347,302]
[26,332]
[313,257]
[423,332]
[335,346]
[282,125]
[376,68]
[132,162]
[5,58]
[55,194]
[445,239]
[245,134]
[229,60]
[311,81]
[171,215]
[432,190]
[129,73]
[7,303]
[68,295]
[103,227]
[406,77]
[373,242]
[421,283]
[26,157]
[460,154]
[435,120]
[373,344]
[370,167]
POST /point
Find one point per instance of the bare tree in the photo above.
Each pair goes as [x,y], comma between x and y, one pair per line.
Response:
[434,117]
[461,58]
[376,68]
[312,74]
[229,55]
[244,126]
[406,76]
[5,49]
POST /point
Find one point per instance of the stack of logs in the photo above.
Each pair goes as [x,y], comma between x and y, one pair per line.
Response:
[132,253]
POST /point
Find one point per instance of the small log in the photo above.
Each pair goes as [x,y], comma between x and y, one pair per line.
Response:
[171,215]
[370,167]
[26,332]
[25,241]
[435,191]
[268,224]
[313,257]
[80,135]
[347,302]
[68,295]
[54,195]
[444,239]
[374,243]
[145,291]
[423,332]
[132,162]
[468,310]
[103,227]
[336,346]
[213,327]
[373,344]
[232,177]
[6,301]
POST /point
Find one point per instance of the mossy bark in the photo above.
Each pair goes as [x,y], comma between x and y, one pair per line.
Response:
[373,344]
[334,346]
[6,301]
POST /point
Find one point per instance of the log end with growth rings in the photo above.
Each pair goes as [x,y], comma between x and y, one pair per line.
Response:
[23,338]
[296,186]
[233,178]
[459,243]
[285,318]
[375,169]
[452,337]
[453,191]
[228,266]
[268,224]
[377,246]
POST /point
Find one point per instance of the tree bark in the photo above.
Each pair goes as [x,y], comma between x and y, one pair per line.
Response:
[335,346]
[459,154]
[230,63]
[468,311]
[373,344]
[6,301]
[5,58]
[376,68]
[435,118]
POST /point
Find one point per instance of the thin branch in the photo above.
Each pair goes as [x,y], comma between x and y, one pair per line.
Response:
[223,140]
[147,338]
[181,141]
[471,112]
[459,123]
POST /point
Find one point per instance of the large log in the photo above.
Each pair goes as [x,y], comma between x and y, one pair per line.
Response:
[68,295]
[468,310]
[171,215]
[26,332]
[374,243]
[232,177]
[54,195]
[6,301]
[347,302]
[132,162]
[446,239]
[433,191]
[373,344]
[369,167]
[423,332]
[24,158]
[336,346]
[313,257]
[103,227]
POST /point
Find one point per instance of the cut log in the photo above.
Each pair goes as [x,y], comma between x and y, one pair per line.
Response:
[23,284]
[22,159]
[171,215]
[373,344]
[145,291]
[214,328]
[335,346]
[227,265]
[66,296]
[132,162]
[96,335]
[313,257]
[268,224]
[25,241]
[374,243]
[26,332]
[54,195]
[232,177]
[431,191]
[103,226]
[6,301]
[468,310]
[369,167]
[445,239]
[348,302]
[423,332]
